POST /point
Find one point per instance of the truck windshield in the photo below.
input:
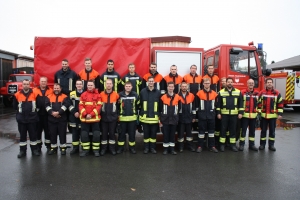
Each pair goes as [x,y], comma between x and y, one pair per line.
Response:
[239,62]
[19,78]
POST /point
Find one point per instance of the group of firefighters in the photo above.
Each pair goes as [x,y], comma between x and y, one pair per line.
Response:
[87,102]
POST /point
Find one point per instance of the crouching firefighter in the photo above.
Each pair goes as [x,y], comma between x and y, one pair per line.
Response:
[57,104]
[89,109]
[74,120]
[24,103]
[128,103]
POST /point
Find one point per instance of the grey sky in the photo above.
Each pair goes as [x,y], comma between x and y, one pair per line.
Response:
[208,23]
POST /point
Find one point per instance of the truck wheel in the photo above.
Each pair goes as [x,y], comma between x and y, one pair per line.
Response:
[296,108]
[7,102]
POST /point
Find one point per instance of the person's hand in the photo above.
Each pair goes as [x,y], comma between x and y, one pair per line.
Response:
[219,116]
[240,116]
[55,114]
[88,116]
[193,120]
[279,117]
[76,114]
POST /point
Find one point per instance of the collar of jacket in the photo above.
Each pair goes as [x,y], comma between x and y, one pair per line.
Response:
[154,73]
[107,92]
[135,75]
[233,89]
[89,70]
[112,72]
[210,75]
[68,69]
[92,91]
[29,91]
[195,74]
[271,90]
[181,94]
[171,75]
[209,91]
[151,90]
[168,95]
[39,87]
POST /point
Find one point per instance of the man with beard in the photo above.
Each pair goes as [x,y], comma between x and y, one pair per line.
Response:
[57,104]
[158,83]
[172,77]
[24,103]
[229,110]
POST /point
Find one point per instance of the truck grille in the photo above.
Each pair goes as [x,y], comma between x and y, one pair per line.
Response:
[12,89]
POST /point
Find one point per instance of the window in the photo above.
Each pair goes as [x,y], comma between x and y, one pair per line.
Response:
[239,62]
[216,59]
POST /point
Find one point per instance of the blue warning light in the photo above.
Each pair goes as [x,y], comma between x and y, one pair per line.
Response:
[260,46]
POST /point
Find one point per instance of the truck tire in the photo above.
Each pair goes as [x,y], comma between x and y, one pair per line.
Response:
[296,108]
[7,102]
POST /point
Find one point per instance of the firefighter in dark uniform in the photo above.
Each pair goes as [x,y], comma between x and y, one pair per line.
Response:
[109,114]
[89,114]
[110,73]
[136,82]
[271,107]
[149,114]
[74,120]
[250,97]
[169,118]
[42,92]
[187,115]
[24,103]
[205,103]
[229,110]
[194,80]
[173,77]
[158,83]
[57,104]
[128,105]
[89,74]
[214,79]
[66,78]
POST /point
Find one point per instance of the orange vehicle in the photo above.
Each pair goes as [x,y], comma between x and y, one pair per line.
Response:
[14,85]
[239,62]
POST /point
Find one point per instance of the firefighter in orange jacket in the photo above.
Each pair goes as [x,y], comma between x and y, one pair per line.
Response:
[89,74]
[172,77]
[24,103]
[89,114]
[271,107]
[109,113]
[42,92]
[205,103]
[193,79]
[158,83]
[187,115]
[214,79]
[57,104]
[250,96]
[169,118]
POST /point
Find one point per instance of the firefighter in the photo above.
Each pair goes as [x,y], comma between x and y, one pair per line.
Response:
[74,116]
[169,117]
[271,107]
[109,113]
[229,110]
[128,105]
[57,104]
[173,77]
[250,97]
[89,115]
[42,92]
[24,102]
[89,74]
[136,82]
[149,101]
[66,78]
[158,83]
[187,115]
[205,103]
[193,79]
[110,73]
[214,79]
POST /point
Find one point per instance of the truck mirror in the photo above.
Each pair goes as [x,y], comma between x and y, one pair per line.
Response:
[267,72]
[236,50]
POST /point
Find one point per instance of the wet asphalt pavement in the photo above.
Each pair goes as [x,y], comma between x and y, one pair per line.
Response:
[206,175]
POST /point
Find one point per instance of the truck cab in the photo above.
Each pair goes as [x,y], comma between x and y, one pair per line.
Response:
[13,85]
[238,62]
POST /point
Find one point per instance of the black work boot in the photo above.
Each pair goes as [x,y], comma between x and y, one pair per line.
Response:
[120,149]
[112,149]
[222,147]
[165,152]
[152,147]
[262,147]
[103,149]
[52,151]
[75,150]
[241,147]
[272,148]
[48,146]
[233,148]
[34,150]
[253,147]
[96,153]
[63,150]
[39,147]
[132,150]
[22,152]
[146,148]
[190,146]
[84,153]
[172,150]
[180,146]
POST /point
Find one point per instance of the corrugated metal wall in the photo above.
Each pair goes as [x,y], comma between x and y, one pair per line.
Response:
[170,44]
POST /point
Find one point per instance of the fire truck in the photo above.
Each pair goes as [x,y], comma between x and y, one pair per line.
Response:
[287,82]
[13,85]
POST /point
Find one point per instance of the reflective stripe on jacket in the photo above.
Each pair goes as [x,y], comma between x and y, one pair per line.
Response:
[90,103]
[205,104]
[270,103]
[187,110]
[194,82]
[109,110]
[250,99]
[230,102]
[149,103]
[169,109]
[128,106]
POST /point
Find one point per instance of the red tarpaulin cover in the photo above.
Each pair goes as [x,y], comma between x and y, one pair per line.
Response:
[50,51]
